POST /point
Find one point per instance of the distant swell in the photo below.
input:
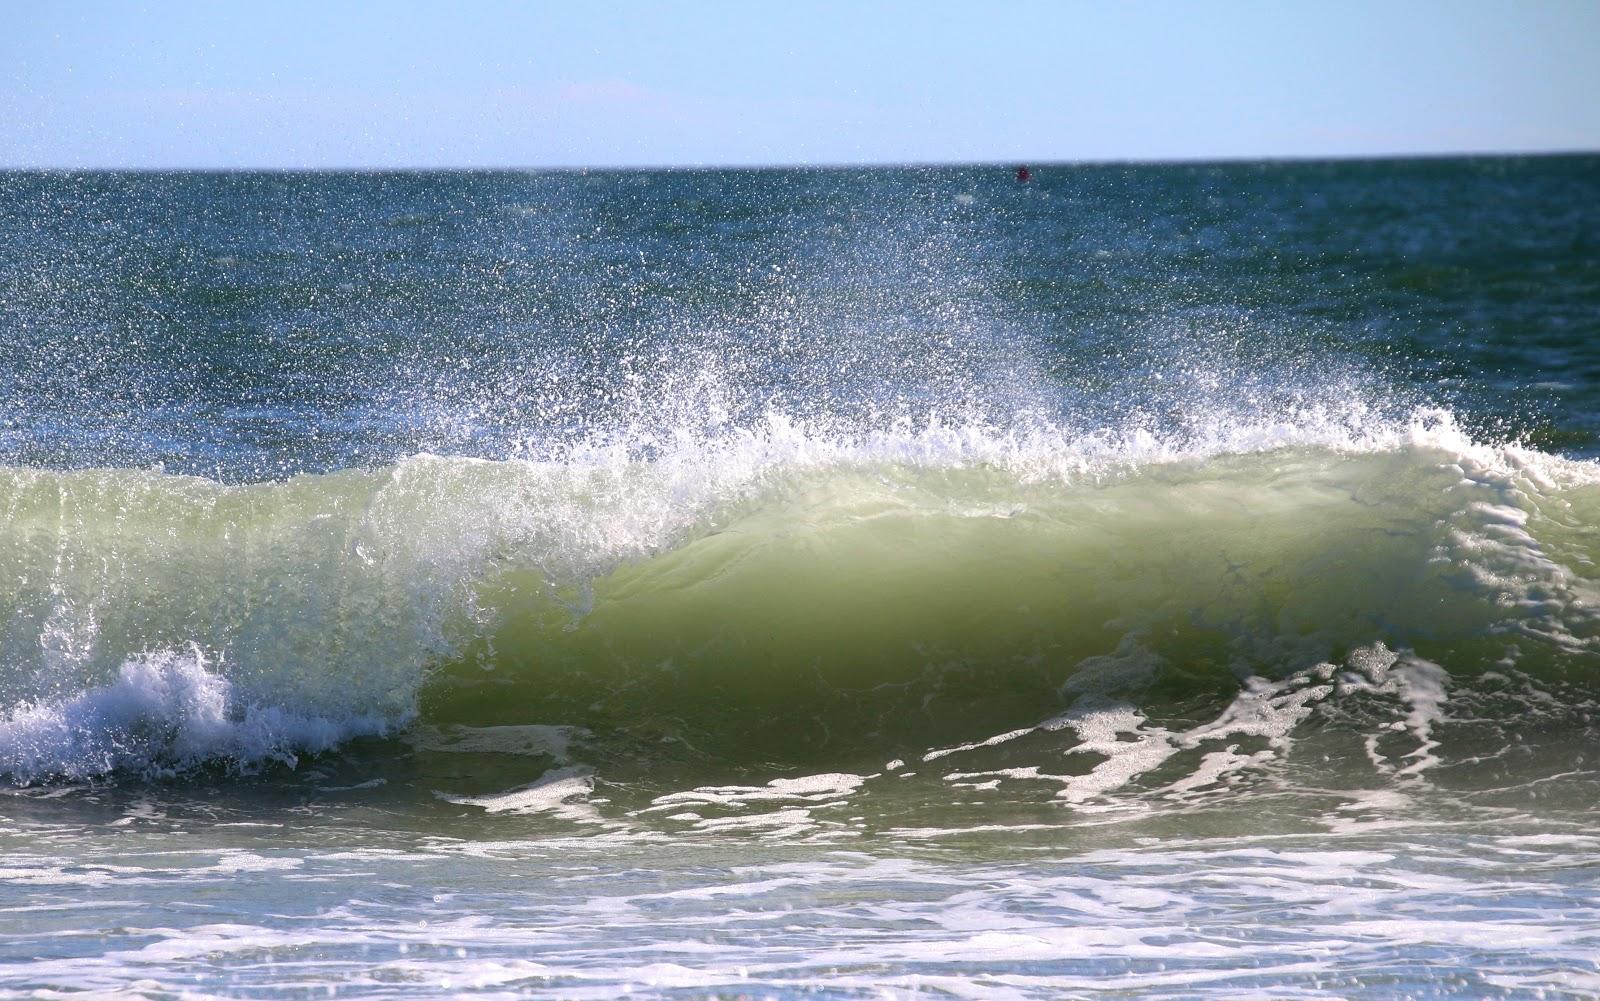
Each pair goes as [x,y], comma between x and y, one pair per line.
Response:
[782,592]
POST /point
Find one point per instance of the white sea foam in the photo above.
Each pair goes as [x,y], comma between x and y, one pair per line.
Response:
[163,711]
[562,793]
[1187,918]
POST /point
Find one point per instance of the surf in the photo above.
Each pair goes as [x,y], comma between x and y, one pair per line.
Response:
[778,593]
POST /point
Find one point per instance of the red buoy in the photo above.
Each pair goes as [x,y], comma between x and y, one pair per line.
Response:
[1024,175]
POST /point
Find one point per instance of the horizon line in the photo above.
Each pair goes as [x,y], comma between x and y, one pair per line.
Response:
[572,168]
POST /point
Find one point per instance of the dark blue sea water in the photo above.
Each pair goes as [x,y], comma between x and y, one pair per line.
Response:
[1150,580]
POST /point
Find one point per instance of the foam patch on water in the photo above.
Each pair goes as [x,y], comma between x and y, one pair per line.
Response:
[1265,712]
[561,793]
[784,807]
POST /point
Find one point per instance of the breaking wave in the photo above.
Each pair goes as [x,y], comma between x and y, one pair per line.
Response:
[786,594]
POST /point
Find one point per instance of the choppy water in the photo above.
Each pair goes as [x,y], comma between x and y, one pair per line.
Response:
[1158,581]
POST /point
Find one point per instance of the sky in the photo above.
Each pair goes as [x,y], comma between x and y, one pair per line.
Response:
[624,83]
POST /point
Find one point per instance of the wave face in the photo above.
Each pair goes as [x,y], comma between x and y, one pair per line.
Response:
[790,597]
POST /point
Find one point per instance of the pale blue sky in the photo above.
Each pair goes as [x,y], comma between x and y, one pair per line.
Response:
[625,83]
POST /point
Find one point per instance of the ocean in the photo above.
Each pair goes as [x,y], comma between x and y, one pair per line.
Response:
[1148,581]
